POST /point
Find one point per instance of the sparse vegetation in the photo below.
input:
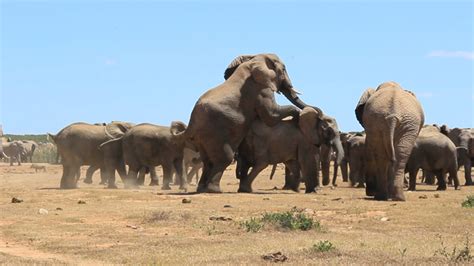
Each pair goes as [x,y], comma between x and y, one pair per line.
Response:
[253,225]
[294,219]
[455,254]
[323,246]
[157,216]
[469,203]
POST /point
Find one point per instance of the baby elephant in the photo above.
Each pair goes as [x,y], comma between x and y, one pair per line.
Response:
[38,167]
[436,153]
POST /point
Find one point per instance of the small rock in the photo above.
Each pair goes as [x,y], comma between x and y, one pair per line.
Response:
[423,197]
[43,211]
[186,201]
[227,206]
[266,198]
[132,226]
[384,219]
[332,187]
[59,209]
[436,195]
[16,200]
[220,218]
[275,257]
[336,199]
[81,202]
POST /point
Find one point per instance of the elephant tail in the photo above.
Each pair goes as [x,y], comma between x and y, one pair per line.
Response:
[392,121]
[51,137]
[101,146]
[273,171]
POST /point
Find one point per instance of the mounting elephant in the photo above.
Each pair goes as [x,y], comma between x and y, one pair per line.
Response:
[392,118]
[291,143]
[13,150]
[79,144]
[29,149]
[463,138]
[223,115]
[436,153]
[147,145]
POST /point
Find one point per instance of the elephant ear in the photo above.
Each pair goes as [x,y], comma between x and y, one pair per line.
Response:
[117,129]
[462,155]
[307,122]
[235,64]
[359,111]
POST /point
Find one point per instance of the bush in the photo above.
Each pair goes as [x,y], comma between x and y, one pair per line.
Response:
[323,246]
[253,225]
[294,219]
[469,203]
[462,254]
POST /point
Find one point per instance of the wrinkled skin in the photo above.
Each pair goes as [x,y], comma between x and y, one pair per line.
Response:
[290,143]
[148,145]
[13,150]
[79,144]
[357,158]
[29,149]
[436,153]
[463,138]
[392,118]
[223,115]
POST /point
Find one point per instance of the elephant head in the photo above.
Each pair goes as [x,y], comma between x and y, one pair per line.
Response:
[319,128]
[359,111]
[269,71]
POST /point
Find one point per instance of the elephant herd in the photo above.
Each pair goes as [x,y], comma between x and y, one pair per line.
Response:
[240,120]
[18,151]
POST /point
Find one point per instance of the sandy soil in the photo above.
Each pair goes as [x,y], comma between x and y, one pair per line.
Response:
[151,226]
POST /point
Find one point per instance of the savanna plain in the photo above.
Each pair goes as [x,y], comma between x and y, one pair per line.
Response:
[338,225]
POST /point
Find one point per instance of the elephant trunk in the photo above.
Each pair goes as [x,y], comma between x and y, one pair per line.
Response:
[337,145]
[291,94]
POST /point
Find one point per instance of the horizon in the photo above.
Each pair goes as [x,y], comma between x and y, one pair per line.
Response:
[149,62]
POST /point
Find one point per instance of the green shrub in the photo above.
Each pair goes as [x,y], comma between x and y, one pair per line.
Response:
[469,203]
[253,225]
[323,246]
[294,219]
[463,254]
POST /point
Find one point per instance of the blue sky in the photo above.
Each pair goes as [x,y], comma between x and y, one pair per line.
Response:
[149,61]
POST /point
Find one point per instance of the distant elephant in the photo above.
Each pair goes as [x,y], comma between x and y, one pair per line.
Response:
[29,149]
[79,144]
[147,145]
[357,158]
[464,139]
[392,118]
[223,115]
[436,153]
[291,143]
[2,153]
[13,150]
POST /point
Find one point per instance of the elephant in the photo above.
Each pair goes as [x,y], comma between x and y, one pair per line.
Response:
[13,150]
[436,153]
[29,149]
[148,145]
[392,118]
[79,144]
[291,143]
[463,138]
[357,159]
[147,170]
[223,115]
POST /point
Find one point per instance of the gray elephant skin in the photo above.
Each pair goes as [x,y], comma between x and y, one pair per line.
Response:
[29,150]
[436,153]
[463,138]
[79,144]
[13,150]
[291,143]
[392,118]
[223,115]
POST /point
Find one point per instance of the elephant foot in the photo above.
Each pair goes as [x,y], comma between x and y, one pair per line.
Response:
[68,187]
[361,185]
[165,187]
[469,183]
[441,188]
[212,188]
[154,183]
[411,189]
[88,181]
[286,187]
[399,198]
[334,184]
[185,188]
[379,196]
[244,190]
[112,186]
[103,183]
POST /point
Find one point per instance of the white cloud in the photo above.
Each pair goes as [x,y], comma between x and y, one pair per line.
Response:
[452,54]
[110,62]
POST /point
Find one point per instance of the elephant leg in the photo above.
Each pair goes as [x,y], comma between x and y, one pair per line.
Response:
[344,171]
[453,174]
[429,178]
[181,174]
[154,177]
[68,180]
[325,165]
[131,180]
[467,173]
[104,175]
[141,176]
[334,177]
[412,173]
[381,192]
[167,176]
[90,171]
[221,159]
[441,176]
[292,176]
[245,184]
[309,173]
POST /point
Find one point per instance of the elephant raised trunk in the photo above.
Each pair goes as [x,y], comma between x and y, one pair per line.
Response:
[292,95]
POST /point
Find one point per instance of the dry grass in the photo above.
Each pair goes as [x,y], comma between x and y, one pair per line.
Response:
[150,226]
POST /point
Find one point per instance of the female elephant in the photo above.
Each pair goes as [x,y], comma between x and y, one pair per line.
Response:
[29,149]
[463,138]
[291,143]
[148,145]
[79,144]
[14,151]
[436,153]
[357,158]
[222,116]
[392,118]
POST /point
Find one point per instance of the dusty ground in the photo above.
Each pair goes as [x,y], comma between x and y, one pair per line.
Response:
[150,226]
